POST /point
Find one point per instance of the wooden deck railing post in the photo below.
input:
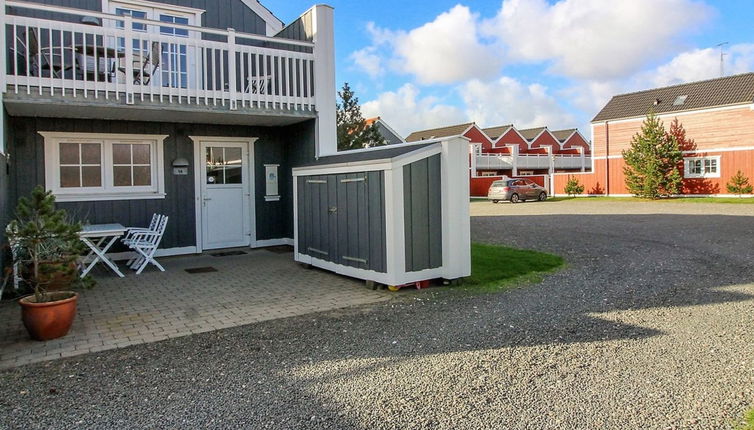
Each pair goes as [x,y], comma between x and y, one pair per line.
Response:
[129,58]
[232,79]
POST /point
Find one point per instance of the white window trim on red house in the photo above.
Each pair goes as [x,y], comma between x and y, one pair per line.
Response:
[704,174]
[106,191]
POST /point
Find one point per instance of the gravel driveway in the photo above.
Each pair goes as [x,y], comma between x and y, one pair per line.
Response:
[651,326]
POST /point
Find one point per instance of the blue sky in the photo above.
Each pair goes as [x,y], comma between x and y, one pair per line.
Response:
[422,64]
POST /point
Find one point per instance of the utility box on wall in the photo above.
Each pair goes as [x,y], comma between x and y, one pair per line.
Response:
[394,215]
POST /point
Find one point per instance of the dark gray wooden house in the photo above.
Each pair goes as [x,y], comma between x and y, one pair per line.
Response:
[125,108]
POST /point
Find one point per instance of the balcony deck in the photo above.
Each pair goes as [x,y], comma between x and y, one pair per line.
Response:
[128,68]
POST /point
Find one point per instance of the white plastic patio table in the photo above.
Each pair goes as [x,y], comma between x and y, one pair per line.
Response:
[99,238]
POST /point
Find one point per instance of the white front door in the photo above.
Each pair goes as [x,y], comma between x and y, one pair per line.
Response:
[225,194]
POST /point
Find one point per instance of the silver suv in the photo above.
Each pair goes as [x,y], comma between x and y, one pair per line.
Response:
[516,190]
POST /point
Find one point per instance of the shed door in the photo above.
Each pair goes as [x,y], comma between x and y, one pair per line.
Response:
[341,219]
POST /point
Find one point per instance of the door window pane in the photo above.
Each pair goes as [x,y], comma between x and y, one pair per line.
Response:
[215,165]
[233,166]
[224,165]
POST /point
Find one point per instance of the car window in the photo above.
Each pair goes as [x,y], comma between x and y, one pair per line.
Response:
[530,183]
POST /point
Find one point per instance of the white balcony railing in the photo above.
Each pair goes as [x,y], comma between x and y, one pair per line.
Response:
[531,161]
[140,60]
[494,161]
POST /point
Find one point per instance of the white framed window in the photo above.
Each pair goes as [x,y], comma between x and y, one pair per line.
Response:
[701,167]
[488,173]
[94,166]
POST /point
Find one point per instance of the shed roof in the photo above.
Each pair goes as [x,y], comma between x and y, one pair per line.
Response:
[453,130]
[725,91]
[390,151]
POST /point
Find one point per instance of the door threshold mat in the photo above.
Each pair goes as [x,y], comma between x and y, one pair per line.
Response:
[195,270]
[228,253]
[280,249]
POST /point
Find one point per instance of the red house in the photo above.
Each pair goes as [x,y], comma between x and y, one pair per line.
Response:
[507,151]
[717,113]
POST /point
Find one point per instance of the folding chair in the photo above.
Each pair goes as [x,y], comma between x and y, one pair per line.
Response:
[40,59]
[145,67]
[131,231]
[145,245]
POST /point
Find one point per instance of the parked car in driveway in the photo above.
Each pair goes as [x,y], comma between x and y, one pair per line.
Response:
[516,190]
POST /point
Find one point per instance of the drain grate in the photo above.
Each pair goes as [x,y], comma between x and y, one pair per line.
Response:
[280,249]
[207,269]
[228,253]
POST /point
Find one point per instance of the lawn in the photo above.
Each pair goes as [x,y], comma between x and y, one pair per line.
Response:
[495,268]
[733,200]
[748,422]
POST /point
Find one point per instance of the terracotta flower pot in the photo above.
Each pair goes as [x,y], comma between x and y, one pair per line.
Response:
[49,320]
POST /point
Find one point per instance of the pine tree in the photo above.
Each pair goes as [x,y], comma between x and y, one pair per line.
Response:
[573,186]
[739,184]
[353,131]
[653,160]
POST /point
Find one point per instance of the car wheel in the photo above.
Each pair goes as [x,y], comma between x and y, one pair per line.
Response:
[542,196]
[515,199]
[495,201]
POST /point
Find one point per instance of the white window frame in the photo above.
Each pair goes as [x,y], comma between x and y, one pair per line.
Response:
[687,168]
[107,191]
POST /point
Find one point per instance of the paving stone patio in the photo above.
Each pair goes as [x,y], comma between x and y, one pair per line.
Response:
[256,286]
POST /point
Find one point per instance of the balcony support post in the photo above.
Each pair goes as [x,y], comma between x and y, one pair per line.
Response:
[514,159]
[323,37]
[232,69]
[3,57]
[583,159]
[129,58]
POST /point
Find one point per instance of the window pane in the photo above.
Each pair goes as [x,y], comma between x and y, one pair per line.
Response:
[215,165]
[91,153]
[69,153]
[142,176]
[141,154]
[233,175]
[121,153]
[122,176]
[233,163]
[69,177]
[91,176]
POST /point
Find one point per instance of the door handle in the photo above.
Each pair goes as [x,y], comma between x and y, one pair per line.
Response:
[207,198]
[332,209]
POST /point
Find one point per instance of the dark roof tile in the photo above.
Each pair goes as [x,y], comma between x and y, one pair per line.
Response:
[729,90]
[453,130]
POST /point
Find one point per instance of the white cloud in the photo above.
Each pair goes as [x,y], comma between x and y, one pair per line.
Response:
[700,64]
[507,100]
[406,111]
[444,51]
[591,38]
[368,61]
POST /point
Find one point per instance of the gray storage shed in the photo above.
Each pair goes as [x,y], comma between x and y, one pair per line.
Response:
[393,215]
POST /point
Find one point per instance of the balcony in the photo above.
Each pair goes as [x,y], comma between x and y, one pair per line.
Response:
[532,161]
[105,66]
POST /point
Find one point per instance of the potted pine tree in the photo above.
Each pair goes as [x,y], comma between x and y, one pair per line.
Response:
[48,246]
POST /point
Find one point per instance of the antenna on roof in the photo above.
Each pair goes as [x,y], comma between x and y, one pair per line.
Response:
[722,57]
